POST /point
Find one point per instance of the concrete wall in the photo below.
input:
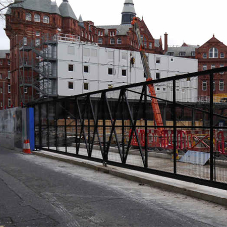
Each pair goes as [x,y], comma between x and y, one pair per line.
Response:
[11,128]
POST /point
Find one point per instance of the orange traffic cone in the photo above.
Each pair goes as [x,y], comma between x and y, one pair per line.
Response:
[26,147]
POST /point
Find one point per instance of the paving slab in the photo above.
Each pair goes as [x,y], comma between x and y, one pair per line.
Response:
[210,194]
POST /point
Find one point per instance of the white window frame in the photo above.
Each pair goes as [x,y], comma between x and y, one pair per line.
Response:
[125,72]
[69,66]
[25,90]
[221,85]
[37,18]
[204,85]
[46,20]
[204,67]
[28,17]
[213,52]
[9,89]
[87,67]
[112,71]
[87,86]
[112,41]
[204,55]
[213,67]
[222,55]
[119,41]
[37,33]
[70,82]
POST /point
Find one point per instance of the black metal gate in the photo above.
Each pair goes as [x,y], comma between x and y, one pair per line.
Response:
[116,126]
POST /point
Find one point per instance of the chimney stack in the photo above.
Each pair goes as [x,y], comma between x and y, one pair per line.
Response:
[166,42]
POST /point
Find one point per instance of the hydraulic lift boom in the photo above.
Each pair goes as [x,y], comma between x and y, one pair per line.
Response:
[154,101]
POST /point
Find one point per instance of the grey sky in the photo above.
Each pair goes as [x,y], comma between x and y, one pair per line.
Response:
[193,22]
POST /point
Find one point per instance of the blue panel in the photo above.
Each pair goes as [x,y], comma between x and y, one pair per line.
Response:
[31,127]
[196,157]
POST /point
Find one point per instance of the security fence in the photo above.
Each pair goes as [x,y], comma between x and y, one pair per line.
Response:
[116,126]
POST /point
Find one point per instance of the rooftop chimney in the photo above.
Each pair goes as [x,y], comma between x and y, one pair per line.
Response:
[166,42]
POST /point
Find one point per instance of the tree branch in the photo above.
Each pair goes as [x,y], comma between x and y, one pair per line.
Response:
[10,5]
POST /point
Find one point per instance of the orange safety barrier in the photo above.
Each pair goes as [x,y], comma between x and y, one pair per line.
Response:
[186,140]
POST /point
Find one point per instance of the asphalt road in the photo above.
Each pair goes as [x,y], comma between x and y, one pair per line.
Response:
[36,191]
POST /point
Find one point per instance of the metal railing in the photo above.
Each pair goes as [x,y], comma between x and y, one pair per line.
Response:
[116,126]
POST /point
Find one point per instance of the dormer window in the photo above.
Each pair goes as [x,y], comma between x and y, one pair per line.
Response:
[46,20]
[112,33]
[37,18]
[28,17]
[182,53]
[213,53]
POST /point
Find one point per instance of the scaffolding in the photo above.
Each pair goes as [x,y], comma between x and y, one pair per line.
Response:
[37,68]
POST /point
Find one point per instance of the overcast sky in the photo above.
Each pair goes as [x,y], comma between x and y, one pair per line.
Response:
[193,22]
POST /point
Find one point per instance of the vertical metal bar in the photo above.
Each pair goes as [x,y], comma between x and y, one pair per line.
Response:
[48,130]
[65,117]
[56,125]
[123,124]
[89,131]
[193,117]
[40,127]
[145,117]
[76,125]
[164,114]
[96,119]
[211,129]
[104,128]
[174,127]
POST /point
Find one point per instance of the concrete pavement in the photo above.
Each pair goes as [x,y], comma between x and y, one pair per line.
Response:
[210,194]
[41,192]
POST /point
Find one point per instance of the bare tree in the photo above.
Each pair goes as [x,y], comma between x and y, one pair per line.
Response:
[4,4]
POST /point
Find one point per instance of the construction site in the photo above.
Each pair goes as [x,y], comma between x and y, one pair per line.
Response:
[132,125]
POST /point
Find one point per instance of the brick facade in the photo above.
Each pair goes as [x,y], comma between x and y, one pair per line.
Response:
[32,25]
[5,89]
[212,54]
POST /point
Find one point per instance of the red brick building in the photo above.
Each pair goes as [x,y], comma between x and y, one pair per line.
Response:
[5,89]
[32,19]
[212,54]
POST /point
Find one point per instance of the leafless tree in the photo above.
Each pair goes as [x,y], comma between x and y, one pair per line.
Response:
[4,4]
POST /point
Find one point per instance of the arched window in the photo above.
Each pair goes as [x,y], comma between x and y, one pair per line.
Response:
[46,20]
[213,52]
[119,41]
[112,41]
[100,40]
[28,16]
[37,18]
